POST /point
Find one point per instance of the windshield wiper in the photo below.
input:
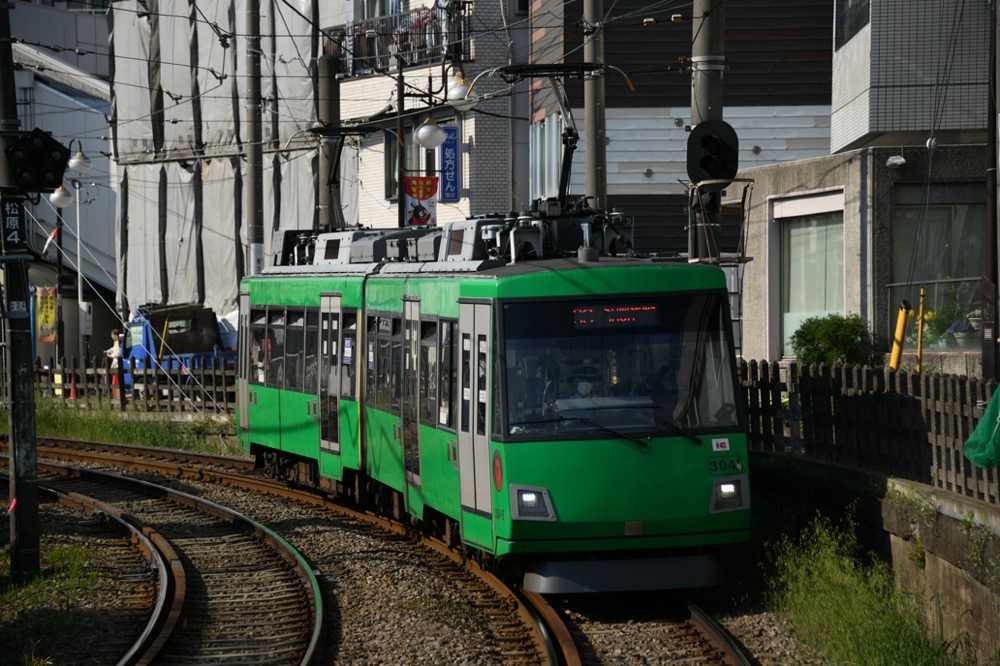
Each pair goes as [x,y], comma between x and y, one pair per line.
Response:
[642,444]
[677,428]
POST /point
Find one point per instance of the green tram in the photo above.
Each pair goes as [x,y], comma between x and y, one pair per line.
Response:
[569,416]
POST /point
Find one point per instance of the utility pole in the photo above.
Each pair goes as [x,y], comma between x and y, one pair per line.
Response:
[255,162]
[23,508]
[708,64]
[328,113]
[595,122]
[989,282]
[400,145]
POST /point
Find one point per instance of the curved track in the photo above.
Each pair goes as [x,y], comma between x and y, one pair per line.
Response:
[232,591]
[537,632]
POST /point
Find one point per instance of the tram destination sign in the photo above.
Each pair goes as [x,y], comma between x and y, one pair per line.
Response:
[615,316]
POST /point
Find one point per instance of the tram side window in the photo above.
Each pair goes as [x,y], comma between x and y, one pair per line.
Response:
[275,377]
[428,372]
[310,364]
[348,356]
[448,377]
[295,335]
[385,341]
[395,373]
[371,380]
[497,395]
[261,352]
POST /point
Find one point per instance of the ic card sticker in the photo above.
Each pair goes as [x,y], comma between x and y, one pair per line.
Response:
[720,444]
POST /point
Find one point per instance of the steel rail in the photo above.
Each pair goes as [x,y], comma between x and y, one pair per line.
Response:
[719,637]
[302,568]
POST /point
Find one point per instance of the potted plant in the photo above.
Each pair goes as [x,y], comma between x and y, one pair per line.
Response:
[975,318]
[963,332]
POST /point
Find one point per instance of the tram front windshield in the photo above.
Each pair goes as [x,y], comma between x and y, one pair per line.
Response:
[635,366]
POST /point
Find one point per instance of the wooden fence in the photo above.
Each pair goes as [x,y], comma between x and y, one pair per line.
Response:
[907,425]
[206,389]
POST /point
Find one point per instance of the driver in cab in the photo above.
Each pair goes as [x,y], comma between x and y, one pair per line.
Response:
[582,398]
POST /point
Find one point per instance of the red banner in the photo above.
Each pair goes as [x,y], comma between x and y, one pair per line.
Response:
[420,200]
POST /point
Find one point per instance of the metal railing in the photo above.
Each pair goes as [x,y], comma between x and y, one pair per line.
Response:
[422,36]
[951,307]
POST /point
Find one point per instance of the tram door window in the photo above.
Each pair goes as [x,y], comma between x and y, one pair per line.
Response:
[348,356]
[371,378]
[329,365]
[275,343]
[295,341]
[428,372]
[261,351]
[448,376]
[410,392]
[482,352]
[466,380]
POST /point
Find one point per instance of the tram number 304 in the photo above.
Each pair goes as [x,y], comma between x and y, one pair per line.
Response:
[726,465]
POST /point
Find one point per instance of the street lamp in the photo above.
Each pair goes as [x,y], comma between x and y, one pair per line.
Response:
[61,198]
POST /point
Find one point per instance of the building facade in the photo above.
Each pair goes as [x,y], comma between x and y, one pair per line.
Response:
[899,208]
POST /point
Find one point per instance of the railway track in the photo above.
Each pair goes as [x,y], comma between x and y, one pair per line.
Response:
[527,628]
[230,590]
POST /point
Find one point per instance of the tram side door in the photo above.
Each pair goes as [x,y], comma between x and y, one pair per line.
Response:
[473,427]
[243,364]
[411,394]
[329,383]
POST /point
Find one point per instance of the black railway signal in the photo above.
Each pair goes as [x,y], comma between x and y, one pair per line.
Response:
[712,154]
[37,162]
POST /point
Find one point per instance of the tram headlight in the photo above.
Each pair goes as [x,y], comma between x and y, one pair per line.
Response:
[530,503]
[729,494]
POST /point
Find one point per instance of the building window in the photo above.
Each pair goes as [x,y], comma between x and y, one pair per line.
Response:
[807,280]
[812,269]
[938,244]
[852,15]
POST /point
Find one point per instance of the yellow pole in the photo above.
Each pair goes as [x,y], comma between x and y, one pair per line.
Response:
[920,331]
[899,338]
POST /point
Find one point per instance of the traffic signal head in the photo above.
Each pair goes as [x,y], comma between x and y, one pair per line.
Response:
[712,153]
[37,162]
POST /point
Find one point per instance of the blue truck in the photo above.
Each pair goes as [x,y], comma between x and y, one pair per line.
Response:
[174,337]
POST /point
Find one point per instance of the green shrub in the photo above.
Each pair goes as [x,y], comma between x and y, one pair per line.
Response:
[833,339]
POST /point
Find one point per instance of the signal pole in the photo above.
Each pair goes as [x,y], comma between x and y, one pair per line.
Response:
[708,64]
[23,507]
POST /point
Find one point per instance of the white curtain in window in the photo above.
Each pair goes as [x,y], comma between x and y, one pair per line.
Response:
[812,269]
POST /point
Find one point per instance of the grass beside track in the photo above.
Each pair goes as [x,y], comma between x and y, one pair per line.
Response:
[38,614]
[847,607]
[206,433]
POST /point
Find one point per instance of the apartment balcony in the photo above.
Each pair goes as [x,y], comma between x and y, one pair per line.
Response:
[423,36]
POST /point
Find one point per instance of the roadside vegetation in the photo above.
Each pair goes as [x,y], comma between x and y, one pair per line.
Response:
[846,606]
[208,433]
[834,339]
[46,609]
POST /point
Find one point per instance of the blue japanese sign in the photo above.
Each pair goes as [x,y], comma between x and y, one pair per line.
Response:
[449,192]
